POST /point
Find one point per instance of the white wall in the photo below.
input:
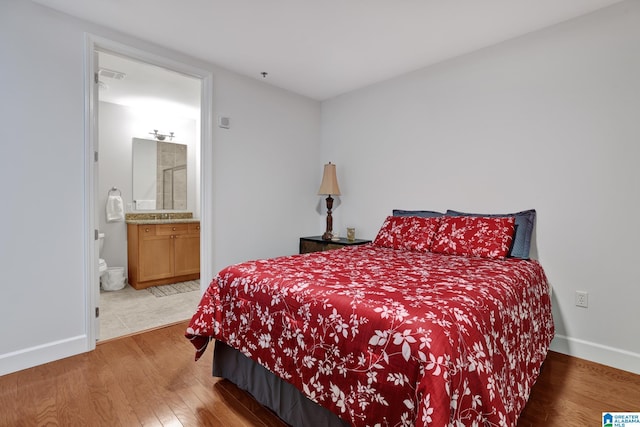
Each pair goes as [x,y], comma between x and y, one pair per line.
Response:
[118,126]
[265,190]
[546,121]
[264,196]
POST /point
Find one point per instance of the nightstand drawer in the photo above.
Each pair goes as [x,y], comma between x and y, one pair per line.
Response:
[331,246]
[316,244]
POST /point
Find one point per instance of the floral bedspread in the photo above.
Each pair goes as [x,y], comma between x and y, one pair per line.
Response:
[385,337]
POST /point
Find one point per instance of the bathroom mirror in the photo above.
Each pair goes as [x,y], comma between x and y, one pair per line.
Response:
[159,175]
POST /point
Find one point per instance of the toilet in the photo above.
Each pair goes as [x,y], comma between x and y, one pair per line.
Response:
[102,264]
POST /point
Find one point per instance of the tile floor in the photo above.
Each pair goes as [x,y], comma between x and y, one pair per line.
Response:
[127,311]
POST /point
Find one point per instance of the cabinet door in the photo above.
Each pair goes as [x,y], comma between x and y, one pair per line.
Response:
[156,257]
[187,254]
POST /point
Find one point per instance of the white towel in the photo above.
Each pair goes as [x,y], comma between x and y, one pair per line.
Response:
[115,208]
[145,205]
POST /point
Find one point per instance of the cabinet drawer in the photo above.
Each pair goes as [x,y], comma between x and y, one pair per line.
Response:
[169,229]
[194,228]
[146,230]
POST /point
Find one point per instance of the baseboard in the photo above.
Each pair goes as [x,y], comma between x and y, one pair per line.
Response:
[605,355]
[41,354]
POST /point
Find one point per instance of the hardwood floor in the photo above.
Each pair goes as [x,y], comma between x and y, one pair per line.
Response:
[151,379]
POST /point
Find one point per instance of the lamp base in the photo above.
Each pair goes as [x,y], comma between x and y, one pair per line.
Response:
[328,233]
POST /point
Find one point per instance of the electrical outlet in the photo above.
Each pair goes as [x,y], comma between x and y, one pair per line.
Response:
[582,299]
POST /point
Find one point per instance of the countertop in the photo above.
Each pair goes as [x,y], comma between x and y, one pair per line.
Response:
[161,221]
[159,217]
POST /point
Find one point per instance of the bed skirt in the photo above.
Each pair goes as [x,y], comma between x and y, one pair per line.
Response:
[276,394]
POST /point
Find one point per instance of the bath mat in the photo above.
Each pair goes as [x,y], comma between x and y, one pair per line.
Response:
[175,288]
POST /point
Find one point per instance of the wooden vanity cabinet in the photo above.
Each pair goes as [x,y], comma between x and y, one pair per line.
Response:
[159,254]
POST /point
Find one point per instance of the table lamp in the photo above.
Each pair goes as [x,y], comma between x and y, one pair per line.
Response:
[329,187]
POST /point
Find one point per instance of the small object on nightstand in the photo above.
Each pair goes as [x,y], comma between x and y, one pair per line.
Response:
[351,234]
[318,244]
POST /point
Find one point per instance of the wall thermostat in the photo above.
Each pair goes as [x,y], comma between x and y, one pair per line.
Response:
[224,122]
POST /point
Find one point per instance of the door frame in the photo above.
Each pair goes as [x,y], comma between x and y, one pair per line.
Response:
[93,44]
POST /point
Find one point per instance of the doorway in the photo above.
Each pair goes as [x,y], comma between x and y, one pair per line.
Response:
[140,95]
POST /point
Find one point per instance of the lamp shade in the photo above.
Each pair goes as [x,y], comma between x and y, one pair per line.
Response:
[329,184]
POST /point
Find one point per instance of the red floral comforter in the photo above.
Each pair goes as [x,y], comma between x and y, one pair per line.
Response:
[386,337]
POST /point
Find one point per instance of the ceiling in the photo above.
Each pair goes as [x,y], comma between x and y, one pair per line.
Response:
[323,48]
[148,88]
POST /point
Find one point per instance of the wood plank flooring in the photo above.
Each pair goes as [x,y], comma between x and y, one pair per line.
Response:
[151,379]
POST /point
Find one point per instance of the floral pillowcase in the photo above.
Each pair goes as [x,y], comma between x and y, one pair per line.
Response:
[464,236]
[410,233]
[474,236]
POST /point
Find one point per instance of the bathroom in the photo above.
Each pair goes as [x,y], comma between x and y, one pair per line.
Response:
[149,105]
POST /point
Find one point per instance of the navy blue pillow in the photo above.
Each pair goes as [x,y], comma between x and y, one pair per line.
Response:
[525,221]
[422,214]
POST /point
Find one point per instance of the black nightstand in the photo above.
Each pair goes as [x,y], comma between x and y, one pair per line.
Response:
[316,244]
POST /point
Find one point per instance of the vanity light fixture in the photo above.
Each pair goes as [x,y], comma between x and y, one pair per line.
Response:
[161,136]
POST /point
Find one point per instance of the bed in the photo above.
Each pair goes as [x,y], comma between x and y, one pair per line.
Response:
[437,322]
